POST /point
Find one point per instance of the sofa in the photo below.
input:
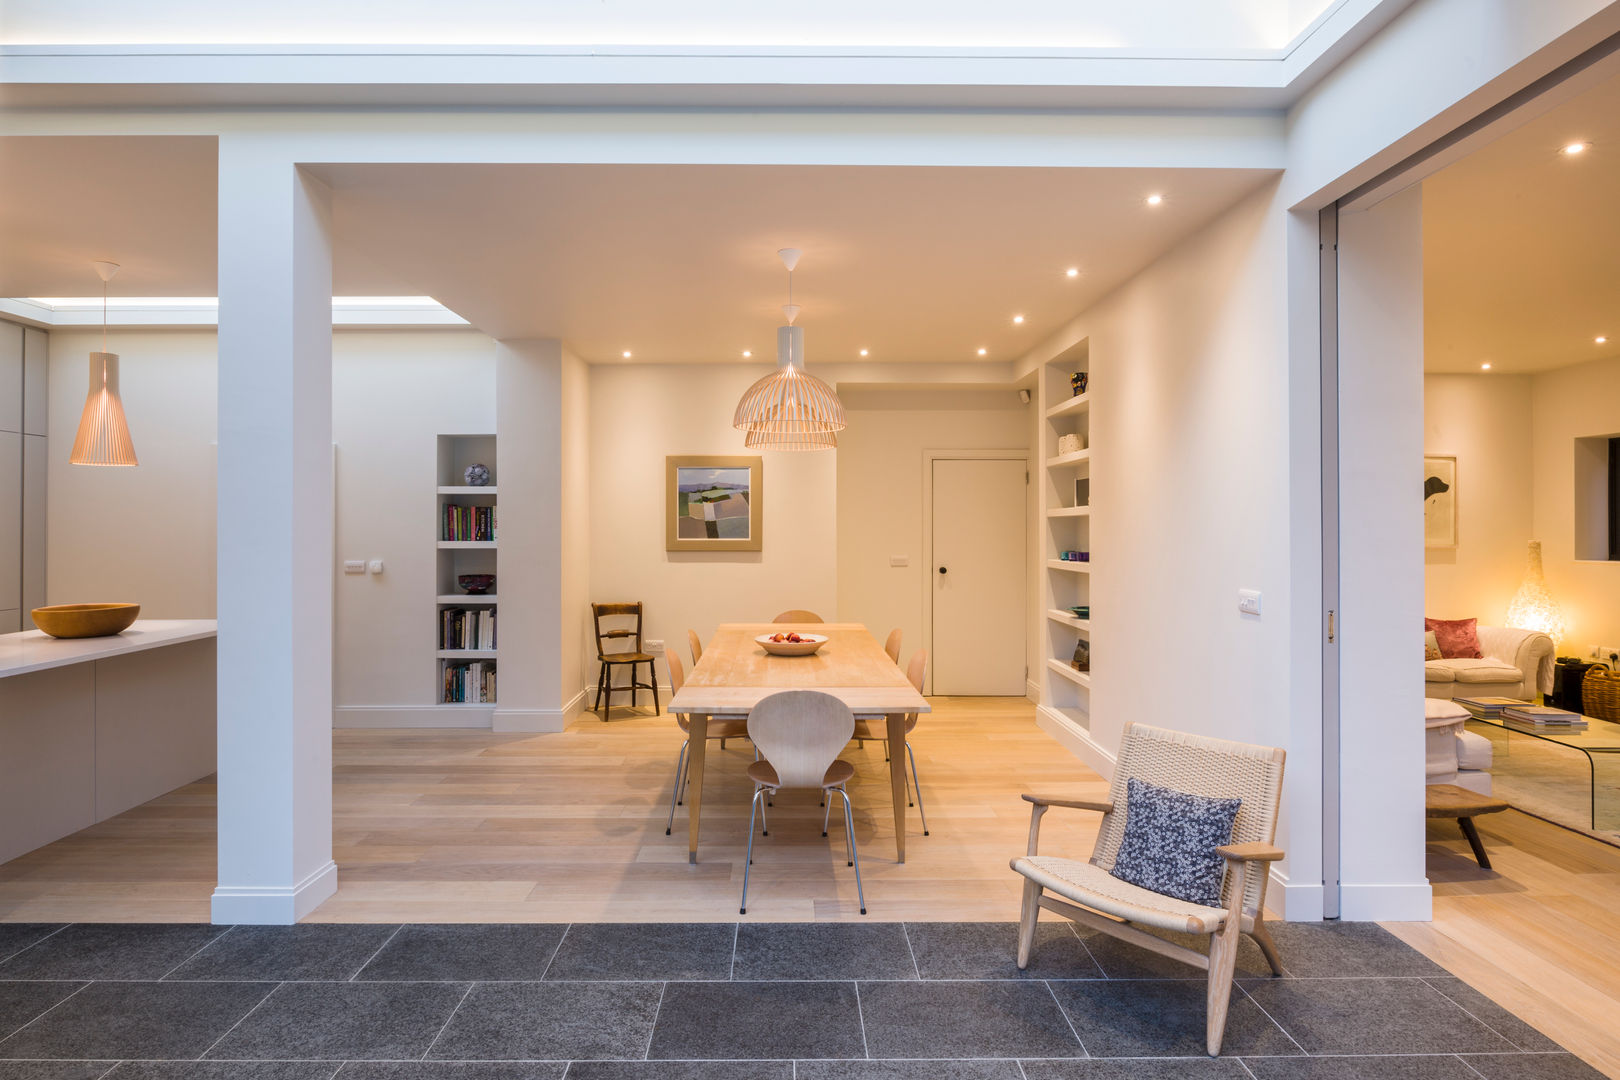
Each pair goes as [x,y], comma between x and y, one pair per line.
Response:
[1516,664]
[1453,755]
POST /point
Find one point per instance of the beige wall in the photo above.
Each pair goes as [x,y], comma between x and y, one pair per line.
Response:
[578,650]
[1484,422]
[880,492]
[638,415]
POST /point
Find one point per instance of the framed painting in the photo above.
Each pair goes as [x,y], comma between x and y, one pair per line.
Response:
[1439,502]
[713,503]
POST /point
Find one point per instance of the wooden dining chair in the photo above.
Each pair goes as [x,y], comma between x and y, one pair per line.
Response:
[799,734]
[718,729]
[798,615]
[869,729]
[633,657]
[694,643]
[892,645]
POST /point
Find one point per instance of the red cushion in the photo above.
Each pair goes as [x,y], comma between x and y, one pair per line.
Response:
[1457,637]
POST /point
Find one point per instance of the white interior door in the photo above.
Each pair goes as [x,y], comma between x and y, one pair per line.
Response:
[978,576]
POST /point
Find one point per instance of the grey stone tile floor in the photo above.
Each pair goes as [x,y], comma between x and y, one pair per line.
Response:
[730,1001]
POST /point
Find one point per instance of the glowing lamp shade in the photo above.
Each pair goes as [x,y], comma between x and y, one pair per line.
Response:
[1532,607]
[103,437]
[790,409]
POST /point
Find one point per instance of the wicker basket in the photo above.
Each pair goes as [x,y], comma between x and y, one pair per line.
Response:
[1600,693]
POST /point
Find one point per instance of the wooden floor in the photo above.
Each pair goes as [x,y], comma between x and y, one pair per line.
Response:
[437,826]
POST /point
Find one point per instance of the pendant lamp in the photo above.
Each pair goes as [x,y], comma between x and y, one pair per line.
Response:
[790,409]
[1532,607]
[103,437]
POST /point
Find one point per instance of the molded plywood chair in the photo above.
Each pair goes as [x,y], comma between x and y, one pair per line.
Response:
[798,615]
[799,734]
[634,657]
[892,645]
[1214,768]
[718,729]
[867,729]
[694,643]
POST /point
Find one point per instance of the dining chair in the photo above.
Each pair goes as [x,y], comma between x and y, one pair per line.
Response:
[633,657]
[868,729]
[798,615]
[1196,765]
[892,645]
[694,643]
[721,729]
[798,734]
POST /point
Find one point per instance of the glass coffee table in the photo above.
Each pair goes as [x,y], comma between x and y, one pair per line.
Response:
[1599,744]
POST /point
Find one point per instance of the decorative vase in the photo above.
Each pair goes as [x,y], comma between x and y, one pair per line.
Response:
[1077,382]
[1532,607]
[1070,444]
[477,475]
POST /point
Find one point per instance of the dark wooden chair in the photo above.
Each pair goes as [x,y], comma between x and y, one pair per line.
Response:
[633,656]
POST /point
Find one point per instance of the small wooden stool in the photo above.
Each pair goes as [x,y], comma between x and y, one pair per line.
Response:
[1451,801]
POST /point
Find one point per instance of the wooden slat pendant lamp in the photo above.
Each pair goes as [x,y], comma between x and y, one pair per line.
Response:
[790,409]
[103,437]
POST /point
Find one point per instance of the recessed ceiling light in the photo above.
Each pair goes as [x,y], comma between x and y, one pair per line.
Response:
[984,352]
[1018,320]
[625,354]
[1600,340]
[1073,271]
[866,352]
[1571,149]
[1155,199]
[1486,366]
[747,353]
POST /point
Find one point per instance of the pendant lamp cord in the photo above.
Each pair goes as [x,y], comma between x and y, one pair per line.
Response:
[104,314]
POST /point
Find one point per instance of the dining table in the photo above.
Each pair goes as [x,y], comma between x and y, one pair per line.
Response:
[736,672]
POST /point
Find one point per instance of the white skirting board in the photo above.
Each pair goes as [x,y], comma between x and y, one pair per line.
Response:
[1076,739]
[1032,690]
[266,905]
[411,716]
[1394,902]
[1291,901]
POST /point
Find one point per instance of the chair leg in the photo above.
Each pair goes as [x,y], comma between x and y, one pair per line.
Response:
[765,825]
[1262,938]
[916,785]
[854,854]
[652,668]
[742,909]
[601,672]
[674,796]
[826,815]
[686,779]
[1026,922]
[1223,950]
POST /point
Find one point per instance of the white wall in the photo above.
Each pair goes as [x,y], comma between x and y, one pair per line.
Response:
[578,648]
[880,492]
[638,415]
[1483,421]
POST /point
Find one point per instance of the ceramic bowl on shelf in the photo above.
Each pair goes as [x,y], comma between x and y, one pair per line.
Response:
[476,584]
[85,620]
[807,644]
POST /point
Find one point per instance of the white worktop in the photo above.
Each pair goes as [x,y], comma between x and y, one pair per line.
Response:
[35,650]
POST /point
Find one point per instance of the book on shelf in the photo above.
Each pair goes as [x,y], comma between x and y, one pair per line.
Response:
[467,628]
[469,682]
[457,522]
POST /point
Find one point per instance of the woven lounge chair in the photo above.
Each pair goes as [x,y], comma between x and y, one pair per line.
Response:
[1093,897]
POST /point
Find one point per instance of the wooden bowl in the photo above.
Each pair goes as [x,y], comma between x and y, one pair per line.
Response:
[810,644]
[85,620]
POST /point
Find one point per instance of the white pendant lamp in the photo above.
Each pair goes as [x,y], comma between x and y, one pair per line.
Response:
[103,437]
[790,409]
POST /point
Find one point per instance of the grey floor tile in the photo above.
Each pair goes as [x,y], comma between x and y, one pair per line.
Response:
[343,1020]
[1123,960]
[21,1002]
[1420,1067]
[964,1019]
[225,1070]
[454,1070]
[15,937]
[907,1070]
[1162,1018]
[822,951]
[990,951]
[1498,1019]
[680,1070]
[1138,1069]
[54,1070]
[1345,950]
[743,1020]
[1373,1016]
[110,951]
[136,1020]
[1531,1067]
[279,953]
[476,953]
[502,1021]
[644,951]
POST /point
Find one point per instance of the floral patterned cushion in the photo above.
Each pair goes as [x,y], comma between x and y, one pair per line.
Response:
[1170,841]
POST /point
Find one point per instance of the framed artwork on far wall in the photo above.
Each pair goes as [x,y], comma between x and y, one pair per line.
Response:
[1439,502]
[713,503]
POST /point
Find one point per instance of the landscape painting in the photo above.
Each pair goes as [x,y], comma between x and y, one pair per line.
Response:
[712,504]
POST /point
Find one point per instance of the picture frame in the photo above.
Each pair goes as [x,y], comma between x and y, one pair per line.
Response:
[714,503]
[1439,501]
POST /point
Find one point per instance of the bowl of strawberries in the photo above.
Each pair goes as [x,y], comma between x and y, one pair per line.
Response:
[791,643]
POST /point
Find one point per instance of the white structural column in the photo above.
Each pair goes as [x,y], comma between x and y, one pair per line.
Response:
[1382,874]
[528,454]
[275,538]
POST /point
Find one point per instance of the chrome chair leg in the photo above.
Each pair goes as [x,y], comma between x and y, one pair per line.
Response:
[742,909]
[854,855]
[680,770]
[826,815]
[917,784]
[686,780]
[765,822]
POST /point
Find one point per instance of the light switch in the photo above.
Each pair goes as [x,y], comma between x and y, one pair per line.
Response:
[354,566]
[899,560]
[375,566]
[653,644]
[1249,601]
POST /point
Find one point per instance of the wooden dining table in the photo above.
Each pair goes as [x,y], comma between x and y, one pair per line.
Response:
[736,672]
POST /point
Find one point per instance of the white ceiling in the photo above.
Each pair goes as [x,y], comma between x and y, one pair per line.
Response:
[1521,245]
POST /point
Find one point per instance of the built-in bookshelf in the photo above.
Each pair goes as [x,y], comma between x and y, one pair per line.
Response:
[1067,512]
[467,537]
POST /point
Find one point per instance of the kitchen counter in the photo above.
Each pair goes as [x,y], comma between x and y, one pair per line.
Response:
[35,650]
